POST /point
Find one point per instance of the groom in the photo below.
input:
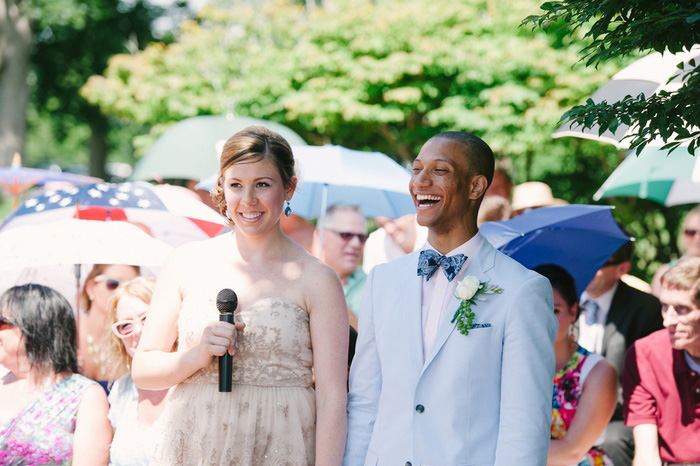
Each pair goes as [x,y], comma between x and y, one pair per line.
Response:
[425,390]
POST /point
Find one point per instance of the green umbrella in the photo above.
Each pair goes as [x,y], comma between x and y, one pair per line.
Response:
[667,178]
[190,148]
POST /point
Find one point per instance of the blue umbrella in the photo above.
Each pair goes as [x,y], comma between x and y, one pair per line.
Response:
[579,238]
[334,174]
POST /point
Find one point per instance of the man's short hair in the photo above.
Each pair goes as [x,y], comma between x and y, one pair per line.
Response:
[478,153]
[684,276]
[335,208]
[624,253]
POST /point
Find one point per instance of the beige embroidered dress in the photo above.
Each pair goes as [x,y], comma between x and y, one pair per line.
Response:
[269,417]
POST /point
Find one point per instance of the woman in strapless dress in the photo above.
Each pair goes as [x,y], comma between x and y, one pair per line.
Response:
[291,322]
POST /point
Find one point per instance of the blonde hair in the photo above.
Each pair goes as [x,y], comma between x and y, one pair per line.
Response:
[684,276]
[118,360]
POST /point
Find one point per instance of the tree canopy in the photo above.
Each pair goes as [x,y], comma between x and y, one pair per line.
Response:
[622,27]
[385,75]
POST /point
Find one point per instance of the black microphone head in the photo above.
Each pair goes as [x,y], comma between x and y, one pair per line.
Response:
[226,301]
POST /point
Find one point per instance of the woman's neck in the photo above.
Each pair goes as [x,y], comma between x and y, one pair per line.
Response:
[252,249]
[36,380]
[563,349]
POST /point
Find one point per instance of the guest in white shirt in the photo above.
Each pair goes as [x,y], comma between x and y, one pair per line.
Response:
[132,411]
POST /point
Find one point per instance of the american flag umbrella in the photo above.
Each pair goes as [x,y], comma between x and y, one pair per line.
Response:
[134,202]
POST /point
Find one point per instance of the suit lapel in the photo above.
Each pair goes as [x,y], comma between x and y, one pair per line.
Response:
[478,267]
[612,321]
[409,305]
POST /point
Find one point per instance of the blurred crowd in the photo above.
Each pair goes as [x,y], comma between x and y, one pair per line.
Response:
[626,386]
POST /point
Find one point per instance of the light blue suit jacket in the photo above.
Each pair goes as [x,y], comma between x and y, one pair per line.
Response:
[480,399]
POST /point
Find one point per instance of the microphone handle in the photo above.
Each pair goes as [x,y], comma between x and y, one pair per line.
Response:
[226,361]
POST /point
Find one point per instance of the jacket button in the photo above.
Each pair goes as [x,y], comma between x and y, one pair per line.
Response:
[420,408]
[408,463]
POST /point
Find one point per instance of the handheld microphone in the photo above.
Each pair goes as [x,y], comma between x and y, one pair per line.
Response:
[226,303]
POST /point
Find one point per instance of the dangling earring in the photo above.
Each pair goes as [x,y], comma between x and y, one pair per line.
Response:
[228,216]
[288,210]
[572,335]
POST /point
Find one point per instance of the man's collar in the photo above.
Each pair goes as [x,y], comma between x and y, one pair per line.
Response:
[604,300]
[469,249]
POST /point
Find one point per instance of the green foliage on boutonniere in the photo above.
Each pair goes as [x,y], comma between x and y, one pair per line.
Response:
[468,290]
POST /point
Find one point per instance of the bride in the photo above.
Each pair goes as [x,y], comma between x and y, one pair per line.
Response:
[291,322]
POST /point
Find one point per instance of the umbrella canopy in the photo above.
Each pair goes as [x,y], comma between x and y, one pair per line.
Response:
[334,174]
[190,149]
[647,75]
[74,241]
[579,238]
[667,178]
[16,179]
[135,202]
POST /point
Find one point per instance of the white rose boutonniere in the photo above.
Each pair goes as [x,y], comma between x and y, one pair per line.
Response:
[468,290]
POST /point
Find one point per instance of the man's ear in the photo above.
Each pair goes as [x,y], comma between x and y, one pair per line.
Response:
[477,187]
[623,268]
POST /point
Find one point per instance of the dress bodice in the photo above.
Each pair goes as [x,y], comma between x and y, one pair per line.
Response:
[274,349]
[42,432]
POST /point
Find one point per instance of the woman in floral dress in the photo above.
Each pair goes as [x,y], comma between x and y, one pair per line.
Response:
[585,385]
[49,414]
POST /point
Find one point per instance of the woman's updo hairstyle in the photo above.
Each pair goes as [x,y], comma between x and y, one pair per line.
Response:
[253,144]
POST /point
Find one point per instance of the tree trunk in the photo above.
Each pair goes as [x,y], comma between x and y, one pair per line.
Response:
[99,127]
[15,43]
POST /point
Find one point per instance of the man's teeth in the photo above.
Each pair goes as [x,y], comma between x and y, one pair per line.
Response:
[427,197]
[251,216]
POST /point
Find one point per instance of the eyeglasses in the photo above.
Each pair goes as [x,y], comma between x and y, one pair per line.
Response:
[348,236]
[125,328]
[110,283]
[691,232]
[6,323]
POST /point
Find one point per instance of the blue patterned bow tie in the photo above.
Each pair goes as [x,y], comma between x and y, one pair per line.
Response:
[429,260]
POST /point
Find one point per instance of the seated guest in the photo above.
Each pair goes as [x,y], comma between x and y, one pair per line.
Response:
[344,231]
[49,414]
[493,209]
[613,316]
[661,385]
[99,285]
[132,410]
[394,238]
[585,385]
[688,243]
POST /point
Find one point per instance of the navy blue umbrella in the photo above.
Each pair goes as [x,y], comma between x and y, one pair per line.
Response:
[579,238]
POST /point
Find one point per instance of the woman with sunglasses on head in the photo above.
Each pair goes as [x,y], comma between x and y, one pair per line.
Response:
[585,384]
[132,410]
[689,242]
[99,285]
[291,321]
[49,414]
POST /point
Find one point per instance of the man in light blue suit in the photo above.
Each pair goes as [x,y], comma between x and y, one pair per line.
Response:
[443,376]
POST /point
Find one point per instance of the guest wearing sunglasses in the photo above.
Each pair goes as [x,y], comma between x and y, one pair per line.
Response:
[340,239]
[99,285]
[49,414]
[132,410]
[615,315]
[688,242]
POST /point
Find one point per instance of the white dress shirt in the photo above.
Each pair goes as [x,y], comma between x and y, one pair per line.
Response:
[591,329]
[438,291]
